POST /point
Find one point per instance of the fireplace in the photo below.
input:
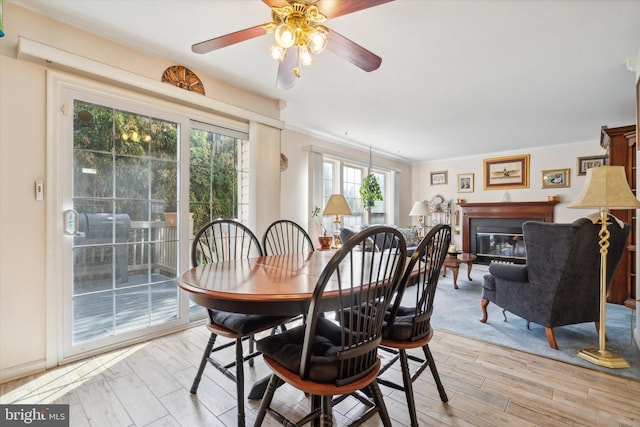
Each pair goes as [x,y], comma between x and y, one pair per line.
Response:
[493,231]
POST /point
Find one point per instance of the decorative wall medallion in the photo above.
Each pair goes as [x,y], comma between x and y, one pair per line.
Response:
[284,162]
[184,78]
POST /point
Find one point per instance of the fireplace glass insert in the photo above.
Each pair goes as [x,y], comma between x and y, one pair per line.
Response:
[500,244]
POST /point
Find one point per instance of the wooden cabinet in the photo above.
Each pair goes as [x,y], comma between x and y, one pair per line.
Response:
[620,143]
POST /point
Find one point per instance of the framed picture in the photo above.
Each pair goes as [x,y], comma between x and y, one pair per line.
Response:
[589,162]
[465,183]
[556,178]
[506,172]
[438,178]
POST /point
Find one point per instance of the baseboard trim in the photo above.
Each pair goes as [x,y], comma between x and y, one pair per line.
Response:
[20,371]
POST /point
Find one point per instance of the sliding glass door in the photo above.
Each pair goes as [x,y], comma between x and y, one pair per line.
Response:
[136,179]
[125,248]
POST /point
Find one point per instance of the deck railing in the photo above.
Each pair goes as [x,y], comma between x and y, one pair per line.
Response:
[150,247]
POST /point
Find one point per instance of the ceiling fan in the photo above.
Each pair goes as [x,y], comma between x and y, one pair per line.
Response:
[298,35]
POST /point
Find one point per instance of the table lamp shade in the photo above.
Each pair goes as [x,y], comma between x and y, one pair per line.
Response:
[337,205]
[606,187]
[419,209]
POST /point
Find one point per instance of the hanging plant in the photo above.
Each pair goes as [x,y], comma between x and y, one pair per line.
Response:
[370,191]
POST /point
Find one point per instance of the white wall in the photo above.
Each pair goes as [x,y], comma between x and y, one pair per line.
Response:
[556,157]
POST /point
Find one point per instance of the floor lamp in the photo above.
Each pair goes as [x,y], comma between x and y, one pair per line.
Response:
[605,188]
[336,205]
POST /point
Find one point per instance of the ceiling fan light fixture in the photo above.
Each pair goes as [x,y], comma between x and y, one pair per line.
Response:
[298,23]
[285,36]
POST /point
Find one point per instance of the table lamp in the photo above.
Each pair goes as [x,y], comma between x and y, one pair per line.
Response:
[606,188]
[419,209]
[337,205]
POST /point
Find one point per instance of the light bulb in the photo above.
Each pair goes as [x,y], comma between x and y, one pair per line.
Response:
[317,40]
[304,55]
[277,52]
[285,36]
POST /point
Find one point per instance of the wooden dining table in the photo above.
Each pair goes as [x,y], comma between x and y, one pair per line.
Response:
[270,285]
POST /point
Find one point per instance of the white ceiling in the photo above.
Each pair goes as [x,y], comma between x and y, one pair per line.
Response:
[457,77]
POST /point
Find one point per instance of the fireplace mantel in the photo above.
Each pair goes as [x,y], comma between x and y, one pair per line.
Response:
[540,211]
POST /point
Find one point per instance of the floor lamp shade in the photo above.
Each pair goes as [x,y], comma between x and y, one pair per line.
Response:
[605,188]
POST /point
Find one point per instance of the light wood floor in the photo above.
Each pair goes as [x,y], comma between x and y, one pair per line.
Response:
[148,385]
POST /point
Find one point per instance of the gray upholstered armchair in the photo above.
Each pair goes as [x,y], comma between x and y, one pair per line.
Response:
[560,283]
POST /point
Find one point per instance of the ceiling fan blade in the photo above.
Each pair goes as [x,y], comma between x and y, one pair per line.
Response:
[229,39]
[275,3]
[353,52]
[335,8]
[286,77]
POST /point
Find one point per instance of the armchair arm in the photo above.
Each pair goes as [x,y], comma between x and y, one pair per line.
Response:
[511,272]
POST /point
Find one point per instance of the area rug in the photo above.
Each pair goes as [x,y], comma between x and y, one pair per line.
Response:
[458,311]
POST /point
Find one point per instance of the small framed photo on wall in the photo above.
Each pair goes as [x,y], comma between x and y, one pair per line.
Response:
[589,162]
[439,178]
[556,178]
[465,183]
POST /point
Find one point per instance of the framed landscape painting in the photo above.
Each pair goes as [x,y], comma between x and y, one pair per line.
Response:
[506,172]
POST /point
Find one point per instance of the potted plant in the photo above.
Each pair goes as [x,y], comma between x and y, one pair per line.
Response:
[325,241]
[370,193]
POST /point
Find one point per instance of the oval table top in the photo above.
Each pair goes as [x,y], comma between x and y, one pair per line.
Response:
[277,284]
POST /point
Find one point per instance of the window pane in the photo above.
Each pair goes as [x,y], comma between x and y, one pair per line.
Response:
[218,177]
[121,187]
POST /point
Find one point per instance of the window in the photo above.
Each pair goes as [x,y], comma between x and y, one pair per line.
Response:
[348,183]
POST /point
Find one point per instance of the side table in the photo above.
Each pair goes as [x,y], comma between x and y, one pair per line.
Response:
[453,262]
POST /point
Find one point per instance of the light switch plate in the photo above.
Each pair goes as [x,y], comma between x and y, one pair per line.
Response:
[39,190]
